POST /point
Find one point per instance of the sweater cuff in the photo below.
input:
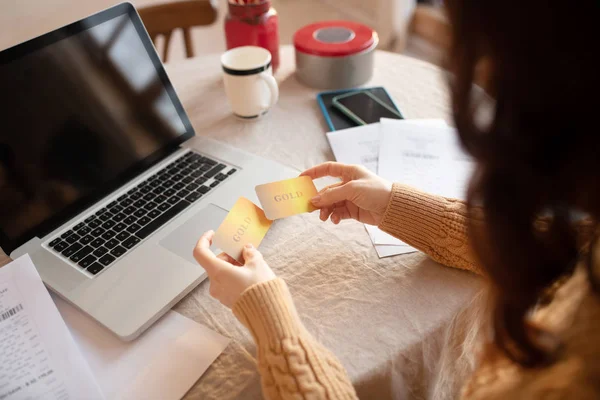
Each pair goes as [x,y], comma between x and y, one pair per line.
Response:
[268,311]
[413,216]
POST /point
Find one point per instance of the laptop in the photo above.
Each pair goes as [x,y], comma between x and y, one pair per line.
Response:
[102,179]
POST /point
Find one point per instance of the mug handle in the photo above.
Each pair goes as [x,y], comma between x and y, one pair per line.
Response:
[273,88]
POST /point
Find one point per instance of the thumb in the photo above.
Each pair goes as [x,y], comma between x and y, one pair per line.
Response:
[251,254]
[333,195]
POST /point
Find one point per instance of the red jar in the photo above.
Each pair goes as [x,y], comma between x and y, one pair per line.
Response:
[253,25]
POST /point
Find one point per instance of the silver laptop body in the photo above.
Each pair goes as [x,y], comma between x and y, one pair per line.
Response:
[109,203]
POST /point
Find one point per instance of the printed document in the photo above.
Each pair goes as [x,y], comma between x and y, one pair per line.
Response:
[38,357]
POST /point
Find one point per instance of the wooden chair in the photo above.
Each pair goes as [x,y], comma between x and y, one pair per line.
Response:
[431,24]
[163,19]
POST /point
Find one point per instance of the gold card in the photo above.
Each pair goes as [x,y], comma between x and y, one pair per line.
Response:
[245,223]
[285,198]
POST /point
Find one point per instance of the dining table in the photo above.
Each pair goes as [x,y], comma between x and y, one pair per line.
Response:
[399,325]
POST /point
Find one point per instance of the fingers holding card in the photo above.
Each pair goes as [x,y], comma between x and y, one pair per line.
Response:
[286,198]
[248,223]
[245,223]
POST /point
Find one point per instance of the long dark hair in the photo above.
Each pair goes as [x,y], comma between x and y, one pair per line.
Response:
[539,155]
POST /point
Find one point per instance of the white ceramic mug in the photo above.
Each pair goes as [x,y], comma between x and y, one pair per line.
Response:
[249,83]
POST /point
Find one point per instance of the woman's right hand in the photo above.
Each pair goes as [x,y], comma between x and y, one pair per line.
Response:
[361,195]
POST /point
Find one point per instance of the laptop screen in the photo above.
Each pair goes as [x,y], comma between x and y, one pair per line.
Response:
[80,116]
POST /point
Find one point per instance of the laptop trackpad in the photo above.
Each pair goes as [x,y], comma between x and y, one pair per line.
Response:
[183,239]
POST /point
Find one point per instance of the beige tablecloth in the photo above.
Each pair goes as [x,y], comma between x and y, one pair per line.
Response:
[398,324]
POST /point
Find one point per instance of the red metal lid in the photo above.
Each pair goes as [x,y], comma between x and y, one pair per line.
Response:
[334,38]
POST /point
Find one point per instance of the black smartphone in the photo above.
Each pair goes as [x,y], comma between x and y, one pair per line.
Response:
[364,108]
[337,120]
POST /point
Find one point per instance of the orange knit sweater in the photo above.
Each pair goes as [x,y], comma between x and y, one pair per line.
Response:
[294,366]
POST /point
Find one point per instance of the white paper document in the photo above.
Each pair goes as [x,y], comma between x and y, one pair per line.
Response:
[162,364]
[38,357]
[360,146]
[428,158]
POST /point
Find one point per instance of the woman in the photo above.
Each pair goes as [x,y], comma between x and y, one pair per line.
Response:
[531,215]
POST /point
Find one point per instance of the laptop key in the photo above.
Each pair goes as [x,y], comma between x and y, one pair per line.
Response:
[54,242]
[203,189]
[111,243]
[81,254]
[200,180]
[192,197]
[90,219]
[116,209]
[133,228]
[140,203]
[183,193]
[95,268]
[106,216]
[122,236]
[108,224]
[119,227]
[66,234]
[140,213]
[94,224]
[214,170]
[121,198]
[168,183]
[119,217]
[215,183]
[60,246]
[106,259]
[112,204]
[126,202]
[160,199]
[108,235]
[100,251]
[79,226]
[73,238]
[136,196]
[84,231]
[178,186]
[150,206]
[164,207]
[163,219]
[154,214]
[169,192]
[196,174]
[187,180]
[72,249]
[97,242]
[86,239]
[192,186]
[159,190]
[231,171]
[146,189]
[129,243]
[118,251]
[173,200]
[145,220]
[86,262]
[129,210]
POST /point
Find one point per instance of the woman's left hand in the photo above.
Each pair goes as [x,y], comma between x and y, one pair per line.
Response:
[228,278]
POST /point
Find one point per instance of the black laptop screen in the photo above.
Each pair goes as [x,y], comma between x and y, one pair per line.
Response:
[78,116]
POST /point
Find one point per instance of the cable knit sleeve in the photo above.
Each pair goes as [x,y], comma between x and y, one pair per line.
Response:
[433,224]
[292,364]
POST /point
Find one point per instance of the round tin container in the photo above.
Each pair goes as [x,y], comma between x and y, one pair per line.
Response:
[335,54]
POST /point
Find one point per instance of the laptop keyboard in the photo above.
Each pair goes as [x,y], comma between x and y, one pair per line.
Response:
[114,230]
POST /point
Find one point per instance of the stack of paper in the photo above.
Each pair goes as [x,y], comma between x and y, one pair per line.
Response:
[421,153]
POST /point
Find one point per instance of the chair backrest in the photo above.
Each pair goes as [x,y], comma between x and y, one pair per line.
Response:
[163,19]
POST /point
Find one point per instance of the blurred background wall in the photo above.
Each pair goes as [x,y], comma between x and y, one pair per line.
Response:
[393,19]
